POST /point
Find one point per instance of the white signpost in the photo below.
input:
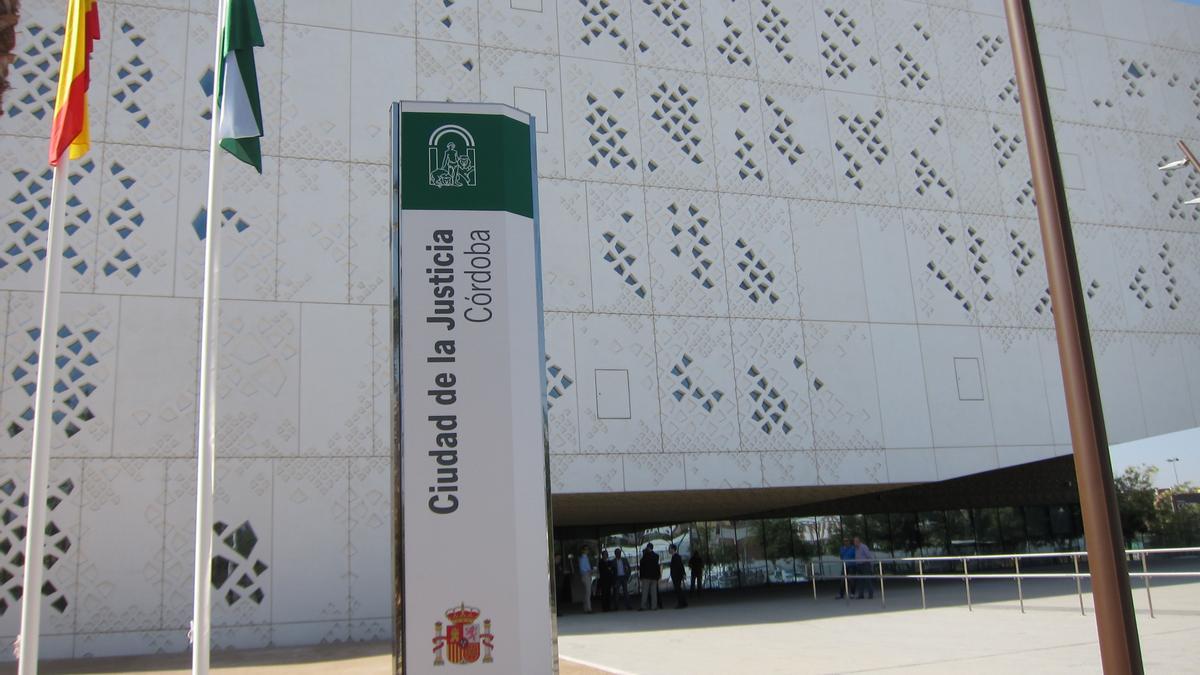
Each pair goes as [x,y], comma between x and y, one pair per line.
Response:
[472,542]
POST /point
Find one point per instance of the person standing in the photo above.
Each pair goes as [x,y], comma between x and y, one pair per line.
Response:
[605,580]
[568,574]
[696,563]
[862,559]
[677,577]
[847,553]
[650,573]
[586,575]
[621,578]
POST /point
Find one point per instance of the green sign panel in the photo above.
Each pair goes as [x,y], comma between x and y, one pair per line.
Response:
[465,162]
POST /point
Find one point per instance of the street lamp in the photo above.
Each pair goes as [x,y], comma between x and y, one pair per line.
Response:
[1188,160]
[1174,461]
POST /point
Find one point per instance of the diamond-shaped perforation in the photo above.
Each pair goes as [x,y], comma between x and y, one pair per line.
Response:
[235,568]
[124,218]
[690,233]
[1043,305]
[1022,253]
[928,177]
[73,386]
[671,14]
[730,46]
[989,46]
[1194,87]
[978,263]
[757,280]
[769,405]
[229,216]
[745,147]
[447,20]
[675,114]
[599,19]
[1133,73]
[865,132]
[837,62]
[25,240]
[833,45]
[687,386]
[14,505]
[205,82]
[912,75]
[780,134]
[1026,196]
[1006,145]
[773,26]
[1144,280]
[1009,94]
[131,76]
[617,255]
[37,65]
[606,134]
[1141,287]
[557,382]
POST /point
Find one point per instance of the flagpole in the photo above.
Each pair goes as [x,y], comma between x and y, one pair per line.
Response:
[206,427]
[43,413]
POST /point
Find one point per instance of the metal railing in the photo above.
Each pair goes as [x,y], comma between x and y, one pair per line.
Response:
[850,571]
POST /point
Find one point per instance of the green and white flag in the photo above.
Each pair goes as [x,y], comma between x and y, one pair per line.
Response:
[237,91]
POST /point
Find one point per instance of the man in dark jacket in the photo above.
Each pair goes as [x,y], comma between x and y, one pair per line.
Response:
[677,575]
[696,562]
[650,573]
[621,575]
[606,580]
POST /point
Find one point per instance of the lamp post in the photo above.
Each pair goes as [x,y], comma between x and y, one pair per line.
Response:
[1116,624]
[1174,461]
[1188,160]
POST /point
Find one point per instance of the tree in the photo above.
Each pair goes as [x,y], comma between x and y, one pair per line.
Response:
[1176,524]
[778,533]
[1153,514]
[1136,500]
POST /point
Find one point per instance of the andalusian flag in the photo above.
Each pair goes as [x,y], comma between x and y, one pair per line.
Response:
[237,93]
[70,128]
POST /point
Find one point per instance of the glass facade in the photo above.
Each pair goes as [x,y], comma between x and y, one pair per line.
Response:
[758,552]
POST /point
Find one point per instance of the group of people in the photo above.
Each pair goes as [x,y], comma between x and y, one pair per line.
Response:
[856,557]
[609,578]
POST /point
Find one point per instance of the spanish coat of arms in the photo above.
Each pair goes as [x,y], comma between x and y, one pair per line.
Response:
[464,639]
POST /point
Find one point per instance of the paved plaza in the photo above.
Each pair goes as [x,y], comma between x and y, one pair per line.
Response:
[786,630]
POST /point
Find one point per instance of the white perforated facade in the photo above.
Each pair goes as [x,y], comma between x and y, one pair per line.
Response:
[786,243]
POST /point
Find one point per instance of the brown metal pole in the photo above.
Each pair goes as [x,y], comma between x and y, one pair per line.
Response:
[1187,152]
[1116,626]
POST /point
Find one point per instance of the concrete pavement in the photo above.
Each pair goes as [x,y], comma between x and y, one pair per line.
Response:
[786,630]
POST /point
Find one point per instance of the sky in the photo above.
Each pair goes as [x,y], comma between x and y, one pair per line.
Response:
[1155,451]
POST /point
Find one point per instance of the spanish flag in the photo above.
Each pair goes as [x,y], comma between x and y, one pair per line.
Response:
[70,128]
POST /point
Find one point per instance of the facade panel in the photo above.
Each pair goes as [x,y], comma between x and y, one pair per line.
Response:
[786,245]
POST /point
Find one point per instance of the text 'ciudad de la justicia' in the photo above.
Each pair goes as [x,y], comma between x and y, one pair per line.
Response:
[445,285]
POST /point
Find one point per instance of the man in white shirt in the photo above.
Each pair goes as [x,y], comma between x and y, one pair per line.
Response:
[586,575]
[862,557]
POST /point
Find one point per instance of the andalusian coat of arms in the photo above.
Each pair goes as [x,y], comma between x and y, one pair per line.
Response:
[464,639]
[451,157]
